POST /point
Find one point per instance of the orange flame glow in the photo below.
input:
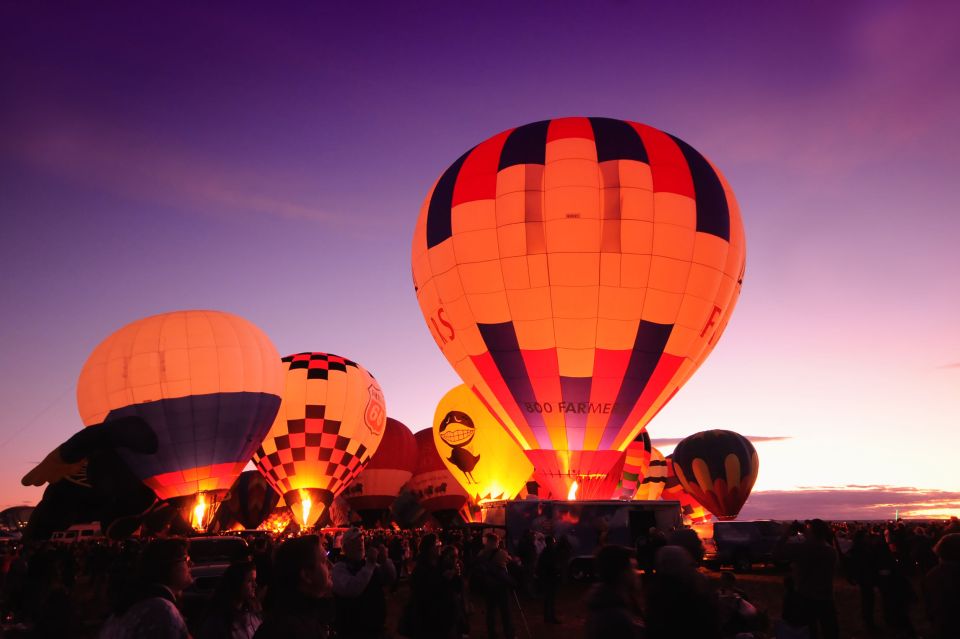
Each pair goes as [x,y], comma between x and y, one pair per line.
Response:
[199,511]
[572,493]
[305,504]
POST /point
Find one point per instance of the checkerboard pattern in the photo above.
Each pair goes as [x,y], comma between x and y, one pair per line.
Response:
[320,438]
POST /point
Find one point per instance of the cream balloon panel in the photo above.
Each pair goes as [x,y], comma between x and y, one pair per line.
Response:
[379,482]
[175,355]
[207,383]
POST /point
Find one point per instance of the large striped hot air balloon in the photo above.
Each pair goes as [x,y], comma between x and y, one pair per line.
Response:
[434,486]
[375,489]
[208,383]
[476,449]
[718,468]
[635,465]
[576,272]
[329,425]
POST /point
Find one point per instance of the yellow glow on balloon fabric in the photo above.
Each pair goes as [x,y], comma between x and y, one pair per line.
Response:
[576,272]
[476,449]
[654,477]
[208,383]
[330,423]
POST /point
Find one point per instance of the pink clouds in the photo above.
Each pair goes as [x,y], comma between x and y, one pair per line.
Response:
[851,502]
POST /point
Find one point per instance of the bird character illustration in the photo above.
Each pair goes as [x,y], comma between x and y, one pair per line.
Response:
[457,431]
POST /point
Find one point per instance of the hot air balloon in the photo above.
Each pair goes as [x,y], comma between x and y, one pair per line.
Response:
[654,477]
[476,449]
[576,272]
[90,482]
[208,383]
[692,511]
[330,424]
[434,486]
[635,465]
[374,489]
[251,500]
[718,468]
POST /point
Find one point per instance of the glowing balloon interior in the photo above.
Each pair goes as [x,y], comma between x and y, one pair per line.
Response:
[208,384]
[329,425]
[576,272]
[476,449]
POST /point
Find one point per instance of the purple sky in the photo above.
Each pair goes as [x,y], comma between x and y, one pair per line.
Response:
[158,156]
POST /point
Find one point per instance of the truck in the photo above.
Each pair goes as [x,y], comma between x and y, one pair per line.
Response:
[581,526]
[740,544]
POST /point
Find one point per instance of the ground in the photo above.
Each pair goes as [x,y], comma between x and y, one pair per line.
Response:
[764,588]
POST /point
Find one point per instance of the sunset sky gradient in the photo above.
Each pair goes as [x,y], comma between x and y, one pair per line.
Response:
[272,163]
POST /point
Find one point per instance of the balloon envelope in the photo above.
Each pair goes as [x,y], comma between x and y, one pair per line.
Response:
[476,449]
[432,483]
[718,468]
[328,427]
[635,465]
[208,383]
[388,470]
[576,272]
[654,477]
[251,500]
[692,511]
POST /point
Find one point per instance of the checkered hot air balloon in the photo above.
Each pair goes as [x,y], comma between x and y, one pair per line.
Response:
[576,272]
[329,425]
[718,468]
[207,383]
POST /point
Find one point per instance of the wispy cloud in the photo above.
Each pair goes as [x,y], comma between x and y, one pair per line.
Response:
[673,441]
[854,501]
[951,365]
[121,161]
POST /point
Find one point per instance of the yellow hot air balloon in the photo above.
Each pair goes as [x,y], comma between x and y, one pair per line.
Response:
[576,272]
[477,449]
[329,425]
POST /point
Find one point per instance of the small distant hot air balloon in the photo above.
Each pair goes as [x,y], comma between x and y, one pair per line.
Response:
[654,478]
[434,486]
[692,511]
[329,425]
[476,449]
[718,468]
[392,466]
[208,383]
[635,465]
[576,272]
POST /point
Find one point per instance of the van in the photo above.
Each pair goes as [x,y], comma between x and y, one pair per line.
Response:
[742,544]
[78,532]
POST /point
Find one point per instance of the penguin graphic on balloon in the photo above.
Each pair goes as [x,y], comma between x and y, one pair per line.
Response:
[457,431]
